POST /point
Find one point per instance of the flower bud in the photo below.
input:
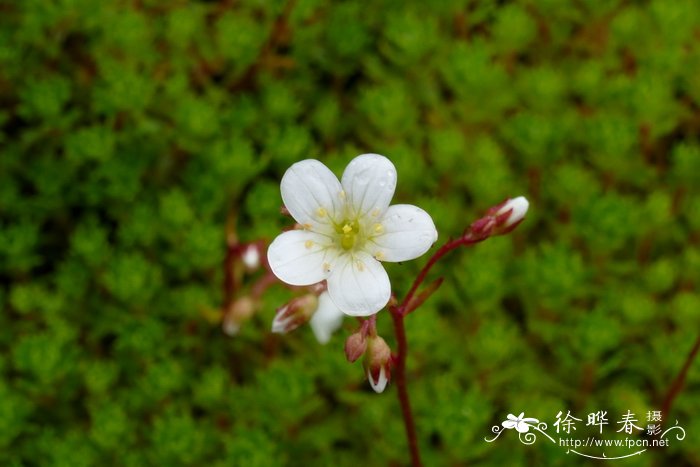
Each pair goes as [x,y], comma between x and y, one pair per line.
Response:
[251,256]
[378,363]
[355,346]
[500,219]
[295,313]
[240,310]
[511,213]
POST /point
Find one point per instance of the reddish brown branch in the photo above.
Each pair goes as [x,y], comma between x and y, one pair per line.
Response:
[400,372]
[229,283]
[398,313]
[267,280]
[466,240]
[678,383]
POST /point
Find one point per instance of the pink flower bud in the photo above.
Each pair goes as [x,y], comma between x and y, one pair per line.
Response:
[378,363]
[295,313]
[500,219]
[355,346]
[240,310]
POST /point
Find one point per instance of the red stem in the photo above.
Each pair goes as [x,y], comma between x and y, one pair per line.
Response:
[679,382]
[398,313]
[267,280]
[229,283]
[466,239]
[400,372]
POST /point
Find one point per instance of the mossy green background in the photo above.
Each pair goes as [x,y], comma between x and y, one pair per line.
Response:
[131,130]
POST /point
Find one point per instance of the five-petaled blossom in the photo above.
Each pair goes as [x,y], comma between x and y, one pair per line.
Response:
[522,425]
[347,228]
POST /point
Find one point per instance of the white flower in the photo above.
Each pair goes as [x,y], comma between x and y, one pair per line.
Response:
[347,228]
[327,318]
[519,423]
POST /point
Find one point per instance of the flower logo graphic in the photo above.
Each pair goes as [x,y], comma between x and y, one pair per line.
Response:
[522,425]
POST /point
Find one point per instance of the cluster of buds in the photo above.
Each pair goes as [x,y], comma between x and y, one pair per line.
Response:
[378,359]
[500,219]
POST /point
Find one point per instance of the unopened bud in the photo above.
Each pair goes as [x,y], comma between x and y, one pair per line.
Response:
[511,213]
[240,310]
[378,363]
[501,219]
[251,256]
[355,346]
[295,313]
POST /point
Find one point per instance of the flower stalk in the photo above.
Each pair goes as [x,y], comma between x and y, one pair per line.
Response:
[401,387]
[500,220]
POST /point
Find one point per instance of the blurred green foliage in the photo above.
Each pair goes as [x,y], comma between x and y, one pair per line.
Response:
[131,130]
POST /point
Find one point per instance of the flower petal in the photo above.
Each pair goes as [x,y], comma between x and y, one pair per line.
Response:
[381,382]
[369,182]
[358,284]
[300,257]
[327,318]
[281,325]
[519,208]
[311,193]
[408,232]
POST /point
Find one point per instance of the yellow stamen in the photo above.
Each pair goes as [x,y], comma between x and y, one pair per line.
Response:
[308,244]
[321,212]
[349,234]
[379,255]
[342,194]
[360,266]
[378,228]
[375,212]
[326,267]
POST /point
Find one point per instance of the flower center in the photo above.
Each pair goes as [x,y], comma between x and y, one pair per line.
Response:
[349,232]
